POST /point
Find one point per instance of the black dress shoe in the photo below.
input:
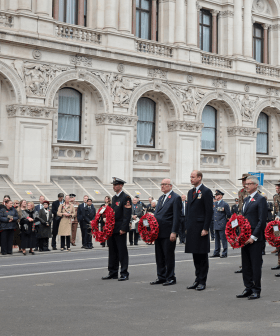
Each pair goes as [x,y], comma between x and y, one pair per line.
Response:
[109,276]
[54,248]
[136,244]
[194,285]
[245,293]
[277,275]
[3,253]
[86,248]
[276,267]
[157,282]
[123,278]
[254,296]
[215,256]
[239,271]
[223,256]
[200,287]
[131,244]
[169,283]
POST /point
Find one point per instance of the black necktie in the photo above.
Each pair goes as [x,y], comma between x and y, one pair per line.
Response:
[247,202]
[194,192]
[162,201]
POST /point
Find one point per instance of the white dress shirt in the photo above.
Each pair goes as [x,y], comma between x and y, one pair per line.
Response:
[119,194]
[198,187]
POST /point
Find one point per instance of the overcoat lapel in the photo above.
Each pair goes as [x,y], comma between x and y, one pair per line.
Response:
[196,194]
[249,204]
[167,200]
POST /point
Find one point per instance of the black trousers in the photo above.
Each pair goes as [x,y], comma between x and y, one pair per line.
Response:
[136,237]
[62,240]
[88,237]
[212,231]
[43,243]
[83,233]
[220,235]
[251,256]
[165,258]
[201,264]
[182,235]
[7,237]
[118,254]
[55,231]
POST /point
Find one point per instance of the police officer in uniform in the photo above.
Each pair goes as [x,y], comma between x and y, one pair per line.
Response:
[117,243]
[235,207]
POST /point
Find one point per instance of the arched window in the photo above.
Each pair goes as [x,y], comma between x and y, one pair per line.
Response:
[209,131]
[205,30]
[258,42]
[146,122]
[262,138]
[69,115]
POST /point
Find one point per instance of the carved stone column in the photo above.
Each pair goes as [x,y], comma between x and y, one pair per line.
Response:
[55,9]
[214,31]
[42,8]
[154,21]
[192,23]
[110,14]
[124,16]
[248,29]
[25,5]
[237,28]
[180,19]
[265,43]
[81,12]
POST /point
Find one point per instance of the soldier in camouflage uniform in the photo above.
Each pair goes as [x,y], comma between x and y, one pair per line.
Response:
[276,202]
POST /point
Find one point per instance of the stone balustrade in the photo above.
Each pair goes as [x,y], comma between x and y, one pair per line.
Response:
[212,159]
[77,33]
[266,161]
[153,48]
[148,155]
[267,70]
[70,152]
[6,19]
[216,60]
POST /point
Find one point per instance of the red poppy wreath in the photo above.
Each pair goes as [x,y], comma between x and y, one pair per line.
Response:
[237,241]
[270,233]
[148,233]
[102,236]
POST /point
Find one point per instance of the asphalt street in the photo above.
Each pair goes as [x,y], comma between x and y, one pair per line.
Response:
[61,293]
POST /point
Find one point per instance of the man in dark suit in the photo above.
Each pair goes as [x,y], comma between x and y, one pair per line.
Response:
[167,213]
[56,219]
[255,210]
[182,220]
[137,213]
[221,216]
[89,215]
[235,207]
[198,221]
[118,254]
[82,221]
[37,208]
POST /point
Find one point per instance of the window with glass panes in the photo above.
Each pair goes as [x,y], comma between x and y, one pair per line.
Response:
[258,42]
[262,137]
[146,111]
[209,131]
[205,30]
[143,19]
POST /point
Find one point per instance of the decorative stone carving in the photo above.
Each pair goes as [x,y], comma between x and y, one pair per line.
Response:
[36,54]
[30,111]
[261,6]
[38,77]
[6,19]
[246,88]
[157,73]
[219,83]
[121,68]
[186,96]
[199,95]
[272,91]
[11,110]
[115,119]
[190,79]
[81,60]
[226,14]
[242,131]
[246,105]
[120,88]
[178,125]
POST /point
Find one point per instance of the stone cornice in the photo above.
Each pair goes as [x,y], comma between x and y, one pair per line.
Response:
[115,119]
[30,111]
[190,126]
[242,131]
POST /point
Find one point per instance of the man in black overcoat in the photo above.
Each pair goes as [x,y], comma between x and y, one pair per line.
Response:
[89,216]
[198,220]
[56,219]
[81,217]
[255,210]
[117,243]
[167,213]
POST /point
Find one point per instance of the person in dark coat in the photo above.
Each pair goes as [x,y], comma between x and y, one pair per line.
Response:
[6,198]
[198,220]
[182,236]
[16,240]
[44,229]
[8,224]
[118,254]
[82,221]
[89,216]
[152,207]
[212,231]
[221,216]
[56,218]
[149,206]
[28,224]
[167,214]
[255,210]
[235,207]
[107,201]
[137,213]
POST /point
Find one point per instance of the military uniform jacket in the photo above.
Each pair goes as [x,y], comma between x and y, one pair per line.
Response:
[122,207]
[276,201]
[242,194]
[221,215]
[235,209]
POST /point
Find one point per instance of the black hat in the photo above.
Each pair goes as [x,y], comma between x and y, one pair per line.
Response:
[218,192]
[117,180]
[137,196]
[244,176]
[236,200]
[60,195]
[72,195]
[45,201]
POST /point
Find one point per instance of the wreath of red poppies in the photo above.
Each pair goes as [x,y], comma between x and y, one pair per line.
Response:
[269,234]
[148,234]
[108,228]
[237,241]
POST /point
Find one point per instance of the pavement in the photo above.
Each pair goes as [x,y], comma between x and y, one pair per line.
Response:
[61,293]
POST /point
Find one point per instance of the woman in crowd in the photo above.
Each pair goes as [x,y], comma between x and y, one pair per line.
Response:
[66,211]
[44,229]
[107,201]
[8,223]
[27,227]
[16,241]
[150,204]
[152,208]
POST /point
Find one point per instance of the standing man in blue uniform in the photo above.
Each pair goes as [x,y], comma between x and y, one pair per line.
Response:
[117,243]
[221,216]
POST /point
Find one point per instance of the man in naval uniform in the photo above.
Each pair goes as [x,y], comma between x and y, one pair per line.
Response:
[121,204]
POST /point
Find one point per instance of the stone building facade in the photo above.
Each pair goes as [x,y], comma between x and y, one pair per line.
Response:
[139,88]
